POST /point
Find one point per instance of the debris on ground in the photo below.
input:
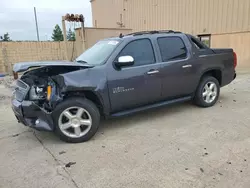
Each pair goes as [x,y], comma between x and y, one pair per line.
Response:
[186,168]
[146,153]
[201,169]
[205,154]
[220,174]
[103,146]
[15,135]
[70,164]
[229,163]
[234,100]
[4,97]
[62,152]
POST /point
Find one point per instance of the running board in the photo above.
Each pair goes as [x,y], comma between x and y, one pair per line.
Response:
[147,107]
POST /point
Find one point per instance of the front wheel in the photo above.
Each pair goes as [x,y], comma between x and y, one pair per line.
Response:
[207,92]
[76,120]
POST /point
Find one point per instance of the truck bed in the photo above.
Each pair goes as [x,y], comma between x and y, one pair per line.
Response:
[222,50]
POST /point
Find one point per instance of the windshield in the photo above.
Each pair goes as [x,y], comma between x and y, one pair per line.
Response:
[98,53]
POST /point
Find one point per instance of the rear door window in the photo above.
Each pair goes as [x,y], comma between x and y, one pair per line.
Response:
[172,48]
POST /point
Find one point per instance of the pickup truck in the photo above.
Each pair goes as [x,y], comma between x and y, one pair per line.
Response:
[119,76]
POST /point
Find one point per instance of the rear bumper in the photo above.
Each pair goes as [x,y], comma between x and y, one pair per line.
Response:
[32,115]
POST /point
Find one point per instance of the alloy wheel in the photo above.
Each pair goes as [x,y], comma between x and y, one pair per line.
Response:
[75,122]
[209,92]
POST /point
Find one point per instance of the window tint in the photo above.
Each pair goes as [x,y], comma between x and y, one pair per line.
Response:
[141,50]
[197,44]
[172,48]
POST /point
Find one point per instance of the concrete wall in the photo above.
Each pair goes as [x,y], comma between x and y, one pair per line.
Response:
[191,16]
[240,42]
[13,52]
[93,35]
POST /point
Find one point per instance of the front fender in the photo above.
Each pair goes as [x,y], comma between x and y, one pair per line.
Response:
[93,80]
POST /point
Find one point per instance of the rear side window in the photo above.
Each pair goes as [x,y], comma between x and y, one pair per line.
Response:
[141,50]
[197,44]
[172,48]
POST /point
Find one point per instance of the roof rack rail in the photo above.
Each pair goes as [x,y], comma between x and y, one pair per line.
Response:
[153,32]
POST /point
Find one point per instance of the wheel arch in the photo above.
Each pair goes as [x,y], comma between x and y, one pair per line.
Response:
[88,94]
[215,72]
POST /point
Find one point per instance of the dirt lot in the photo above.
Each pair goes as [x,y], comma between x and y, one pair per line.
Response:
[177,146]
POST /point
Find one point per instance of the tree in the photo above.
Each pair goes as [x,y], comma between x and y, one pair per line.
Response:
[6,37]
[71,35]
[57,34]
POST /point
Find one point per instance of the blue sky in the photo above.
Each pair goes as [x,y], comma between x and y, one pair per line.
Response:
[17,16]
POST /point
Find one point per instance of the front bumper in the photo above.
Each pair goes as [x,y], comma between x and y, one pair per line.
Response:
[32,115]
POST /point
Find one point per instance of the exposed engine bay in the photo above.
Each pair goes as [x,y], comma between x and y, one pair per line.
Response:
[38,87]
[44,89]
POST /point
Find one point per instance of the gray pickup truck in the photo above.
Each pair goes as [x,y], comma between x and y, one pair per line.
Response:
[119,76]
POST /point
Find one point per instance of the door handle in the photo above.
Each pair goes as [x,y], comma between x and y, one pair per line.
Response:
[186,66]
[152,72]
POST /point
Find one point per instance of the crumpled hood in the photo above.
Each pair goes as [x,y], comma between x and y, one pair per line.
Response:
[23,66]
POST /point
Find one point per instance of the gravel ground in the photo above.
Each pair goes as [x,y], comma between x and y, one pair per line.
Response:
[177,146]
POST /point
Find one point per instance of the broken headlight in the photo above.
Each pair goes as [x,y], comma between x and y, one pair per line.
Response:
[37,93]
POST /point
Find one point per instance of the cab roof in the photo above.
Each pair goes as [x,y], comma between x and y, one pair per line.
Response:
[142,33]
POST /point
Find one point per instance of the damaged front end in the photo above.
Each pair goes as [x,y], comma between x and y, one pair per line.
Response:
[36,95]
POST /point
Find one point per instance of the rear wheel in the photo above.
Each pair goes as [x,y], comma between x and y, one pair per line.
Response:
[76,120]
[207,92]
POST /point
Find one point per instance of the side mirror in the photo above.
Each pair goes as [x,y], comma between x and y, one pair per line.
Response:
[124,61]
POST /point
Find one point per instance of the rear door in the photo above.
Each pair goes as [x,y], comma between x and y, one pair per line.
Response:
[135,85]
[177,67]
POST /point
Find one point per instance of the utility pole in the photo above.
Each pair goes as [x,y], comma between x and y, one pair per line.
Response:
[37,33]
[65,37]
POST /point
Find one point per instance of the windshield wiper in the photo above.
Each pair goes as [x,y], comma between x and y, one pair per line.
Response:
[81,61]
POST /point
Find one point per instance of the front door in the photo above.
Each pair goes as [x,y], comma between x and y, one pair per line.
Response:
[137,85]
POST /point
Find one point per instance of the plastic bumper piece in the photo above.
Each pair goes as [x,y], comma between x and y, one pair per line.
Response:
[32,115]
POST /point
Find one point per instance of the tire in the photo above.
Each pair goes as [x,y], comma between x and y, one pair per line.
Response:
[207,99]
[69,115]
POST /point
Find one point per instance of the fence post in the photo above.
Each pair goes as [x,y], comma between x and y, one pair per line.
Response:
[83,36]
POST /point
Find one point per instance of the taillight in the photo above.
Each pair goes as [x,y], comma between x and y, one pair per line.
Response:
[235,59]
